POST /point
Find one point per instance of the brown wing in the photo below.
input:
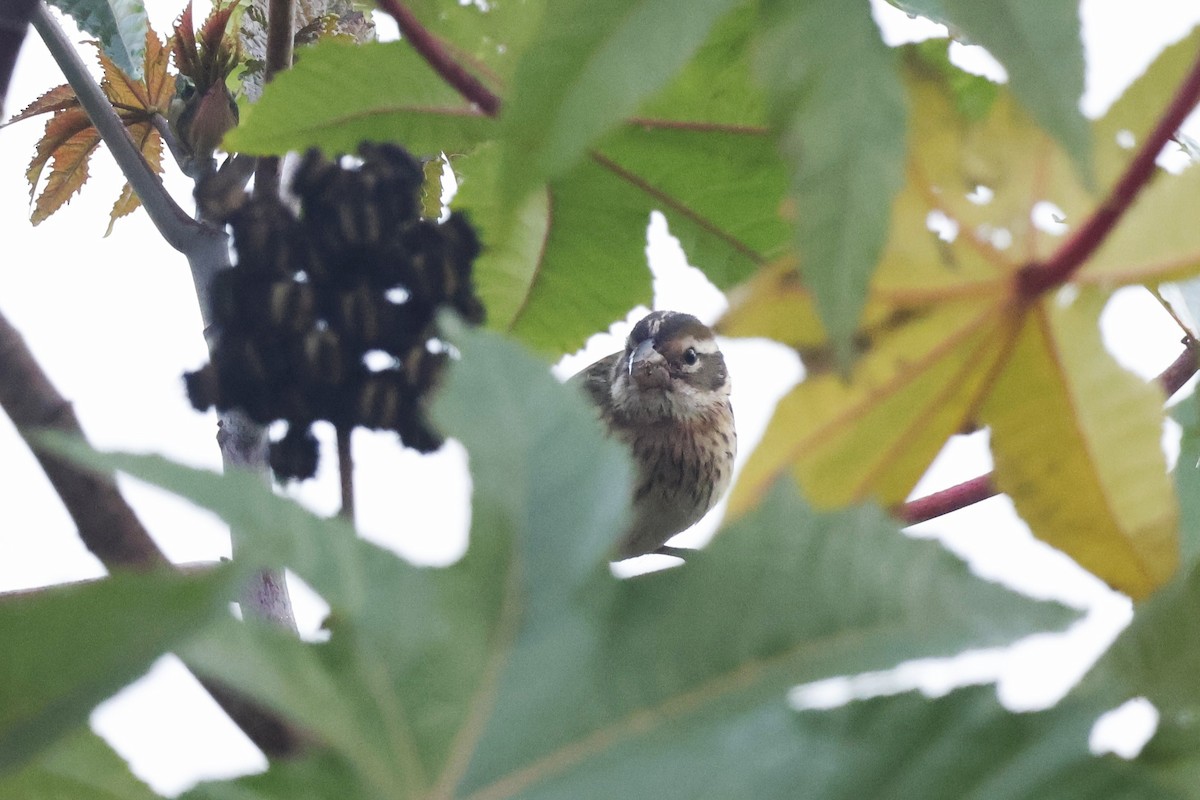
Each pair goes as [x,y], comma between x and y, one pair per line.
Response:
[594,380]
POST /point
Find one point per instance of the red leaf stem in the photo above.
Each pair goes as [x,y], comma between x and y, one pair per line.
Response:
[436,55]
[1036,278]
[981,487]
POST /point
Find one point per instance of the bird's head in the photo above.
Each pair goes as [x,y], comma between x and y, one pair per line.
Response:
[672,368]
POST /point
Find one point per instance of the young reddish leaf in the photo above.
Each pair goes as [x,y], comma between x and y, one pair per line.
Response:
[209,59]
[61,128]
[159,82]
[70,138]
[68,173]
[59,98]
[150,143]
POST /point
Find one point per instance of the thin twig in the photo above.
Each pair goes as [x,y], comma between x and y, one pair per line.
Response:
[1181,369]
[1039,277]
[938,504]
[281,26]
[435,54]
[982,487]
[346,472]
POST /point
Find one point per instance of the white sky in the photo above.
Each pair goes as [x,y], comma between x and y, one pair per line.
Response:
[114,322]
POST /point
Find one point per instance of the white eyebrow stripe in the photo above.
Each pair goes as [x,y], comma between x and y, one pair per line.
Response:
[703,346]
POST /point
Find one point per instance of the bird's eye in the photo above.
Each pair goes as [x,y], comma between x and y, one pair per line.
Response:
[690,356]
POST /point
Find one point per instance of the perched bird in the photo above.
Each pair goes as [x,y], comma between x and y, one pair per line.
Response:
[667,398]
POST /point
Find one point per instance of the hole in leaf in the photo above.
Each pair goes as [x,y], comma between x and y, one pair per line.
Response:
[981,195]
[1124,730]
[1125,139]
[1048,217]
[945,227]
[999,238]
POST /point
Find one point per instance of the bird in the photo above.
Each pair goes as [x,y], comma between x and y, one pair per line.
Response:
[666,398]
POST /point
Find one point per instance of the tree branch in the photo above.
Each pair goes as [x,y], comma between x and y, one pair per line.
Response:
[1036,278]
[981,487]
[281,25]
[106,523]
[435,54]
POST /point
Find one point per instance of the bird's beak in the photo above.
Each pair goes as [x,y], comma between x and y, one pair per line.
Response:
[640,353]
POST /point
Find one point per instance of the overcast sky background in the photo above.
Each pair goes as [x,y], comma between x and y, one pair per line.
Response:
[115,324]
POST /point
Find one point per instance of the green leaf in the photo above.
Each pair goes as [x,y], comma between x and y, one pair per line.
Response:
[563,262]
[80,767]
[340,94]
[592,65]
[1187,480]
[1040,46]
[488,38]
[528,670]
[836,96]
[322,776]
[1158,655]
[120,25]
[67,649]
[570,258]
[961,745]
[672,688]
[699,151]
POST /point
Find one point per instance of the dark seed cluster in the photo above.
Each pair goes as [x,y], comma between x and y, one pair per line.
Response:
[330,315]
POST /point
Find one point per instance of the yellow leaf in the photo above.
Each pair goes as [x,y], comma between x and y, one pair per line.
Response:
[773,304]
[947,333]
[1158,239]
[1132,117]
[1004,152]
[1076,444]
[874,436]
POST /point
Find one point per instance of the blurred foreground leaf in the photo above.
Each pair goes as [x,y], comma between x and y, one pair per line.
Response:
[526,669]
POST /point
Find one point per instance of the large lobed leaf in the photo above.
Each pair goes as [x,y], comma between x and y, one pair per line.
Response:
[964,745]
[589,67]
[1100,491]
[947,342]
[1040,45]
[527,670]
[80,767]
[700,152]
[340,94]
[838,102]
[67,649]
